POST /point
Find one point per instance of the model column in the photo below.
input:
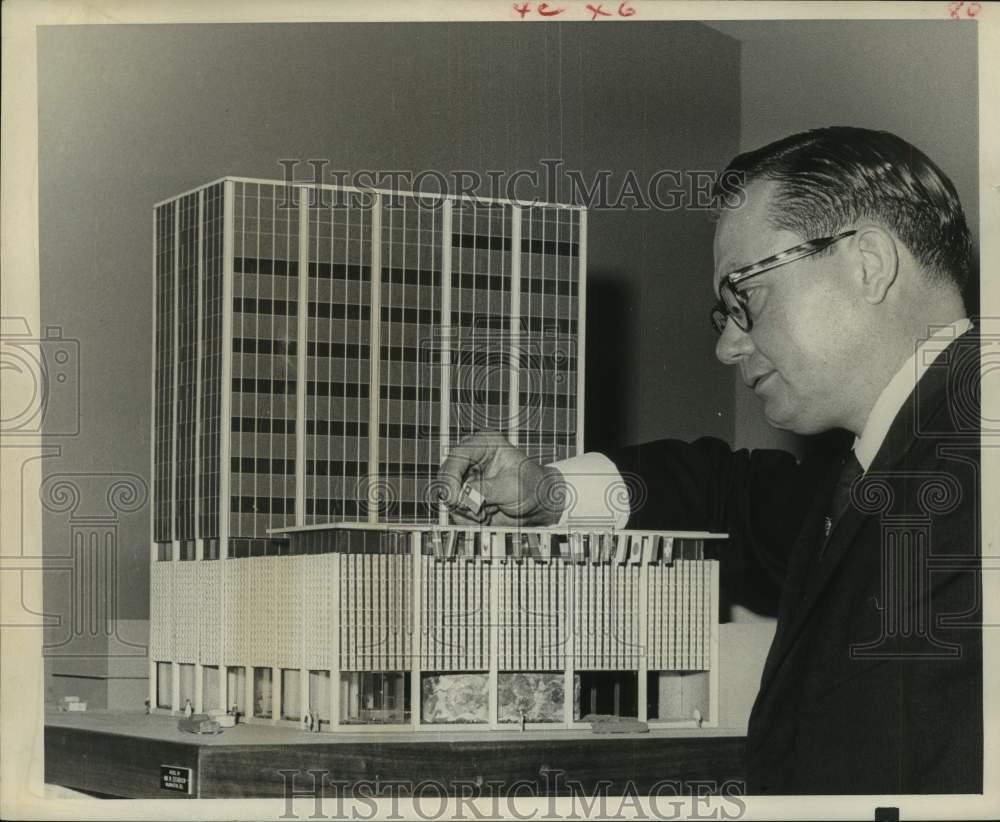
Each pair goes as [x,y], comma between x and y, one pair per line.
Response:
[199,543]
[225,434]
[302,366]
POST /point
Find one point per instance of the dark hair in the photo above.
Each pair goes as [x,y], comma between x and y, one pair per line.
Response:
[831,177]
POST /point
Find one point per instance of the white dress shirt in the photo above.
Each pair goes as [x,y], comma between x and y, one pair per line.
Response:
[597,495]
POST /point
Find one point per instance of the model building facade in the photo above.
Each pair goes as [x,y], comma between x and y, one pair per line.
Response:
[317,352]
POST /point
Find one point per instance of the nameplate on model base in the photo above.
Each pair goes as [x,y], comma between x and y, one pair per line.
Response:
[175,778]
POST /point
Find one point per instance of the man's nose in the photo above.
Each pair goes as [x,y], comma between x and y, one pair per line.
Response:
[733,345]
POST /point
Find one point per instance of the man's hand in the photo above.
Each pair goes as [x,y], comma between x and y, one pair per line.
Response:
[515,489]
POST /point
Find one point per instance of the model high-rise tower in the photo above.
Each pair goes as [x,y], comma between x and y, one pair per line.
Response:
[319,349]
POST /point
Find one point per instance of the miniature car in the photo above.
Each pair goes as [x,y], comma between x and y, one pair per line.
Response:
[225,720]
[199,724]
[608,724]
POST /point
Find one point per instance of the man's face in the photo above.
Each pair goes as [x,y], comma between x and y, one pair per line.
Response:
[794,358]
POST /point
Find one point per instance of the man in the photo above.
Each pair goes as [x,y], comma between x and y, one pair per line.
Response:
[839,279]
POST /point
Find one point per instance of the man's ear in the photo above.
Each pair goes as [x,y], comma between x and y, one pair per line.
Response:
[879,262]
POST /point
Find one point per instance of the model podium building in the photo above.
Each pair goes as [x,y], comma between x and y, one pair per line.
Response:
[317,352]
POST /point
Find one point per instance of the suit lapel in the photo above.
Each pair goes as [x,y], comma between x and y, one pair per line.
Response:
[809,575]
[797,575]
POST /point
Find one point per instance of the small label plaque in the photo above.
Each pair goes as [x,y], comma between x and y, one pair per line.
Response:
[175,778]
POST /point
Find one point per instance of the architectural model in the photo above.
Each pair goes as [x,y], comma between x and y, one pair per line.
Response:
[317,352]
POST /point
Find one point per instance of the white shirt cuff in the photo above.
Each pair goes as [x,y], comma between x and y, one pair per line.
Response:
[596,494]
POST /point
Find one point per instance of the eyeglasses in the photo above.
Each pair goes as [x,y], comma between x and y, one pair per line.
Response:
[733,303]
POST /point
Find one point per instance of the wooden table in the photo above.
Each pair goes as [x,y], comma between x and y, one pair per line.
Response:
[122,756]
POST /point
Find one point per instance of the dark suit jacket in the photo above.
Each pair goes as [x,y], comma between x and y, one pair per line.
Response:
[873,683]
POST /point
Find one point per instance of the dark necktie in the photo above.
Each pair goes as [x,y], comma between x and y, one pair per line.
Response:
[840,500]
